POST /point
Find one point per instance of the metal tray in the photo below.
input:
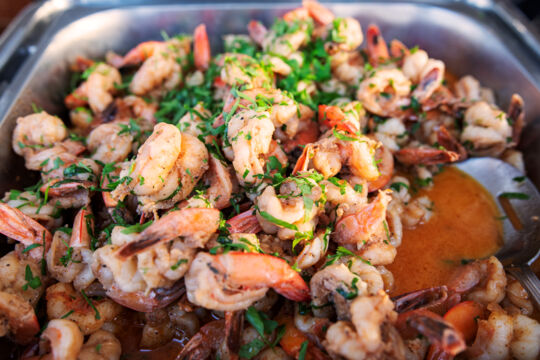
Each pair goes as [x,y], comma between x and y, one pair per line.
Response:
[489,39]
[486,38]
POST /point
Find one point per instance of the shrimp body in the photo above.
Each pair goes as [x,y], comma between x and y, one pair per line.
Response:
[37,131]
[109,143]
[394,87]
[65,339]
[250,135]
[228,281]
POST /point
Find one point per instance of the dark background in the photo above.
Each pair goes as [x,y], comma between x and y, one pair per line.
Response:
[10,8]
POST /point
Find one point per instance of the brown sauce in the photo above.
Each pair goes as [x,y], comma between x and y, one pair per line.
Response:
[464,225]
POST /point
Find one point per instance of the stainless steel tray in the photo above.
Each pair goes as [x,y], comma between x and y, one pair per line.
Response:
[486,38]
[483,37]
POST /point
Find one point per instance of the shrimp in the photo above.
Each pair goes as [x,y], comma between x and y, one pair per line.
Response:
[189,168]
[392,134]
[468,88]
[245,222]
[63,301]
[17,318]
[483,281]
[101,345]
[201,48]
[318,12]
[333,284]
[18,226]
[517,299]
[250,135]
[376,46]
[331,152]
[291,209]
[195,225]
[361,339]
[221,183]
[348,119]
[427,73]
[243,70]
[385,92]
[109,143]
[525,343]
[286,44]
[64,338]
[69,258]
[37,131]
[228,282]
[346,35]
[416,212]
[486,130]
[31,205]
[97,91]
[160,71]
[494,336]
[354,228]
[312,252]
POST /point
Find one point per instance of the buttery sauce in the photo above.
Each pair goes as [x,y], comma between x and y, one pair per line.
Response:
[465,225]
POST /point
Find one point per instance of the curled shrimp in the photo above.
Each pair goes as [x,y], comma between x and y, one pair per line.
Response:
[362,338]
[250,135]
[97,91]
[37,131]
[18,318]
[228,282]
[70,257]
[195,225]
[486,129]
[494,336]
[18,226]
[385,92]
[109,143]
[64,338]
[354,228]
[483,281]
[63,299]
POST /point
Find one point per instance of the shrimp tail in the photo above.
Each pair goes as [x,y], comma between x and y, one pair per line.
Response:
[195,224]
[426,156]
[376,46]
[201,48]
[245,222]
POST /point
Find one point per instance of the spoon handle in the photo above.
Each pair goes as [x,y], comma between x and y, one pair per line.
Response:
[529,280]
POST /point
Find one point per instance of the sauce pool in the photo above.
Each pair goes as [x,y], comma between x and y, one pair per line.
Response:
[464,226]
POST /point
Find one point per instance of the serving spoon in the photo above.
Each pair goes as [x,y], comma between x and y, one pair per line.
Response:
[518,199]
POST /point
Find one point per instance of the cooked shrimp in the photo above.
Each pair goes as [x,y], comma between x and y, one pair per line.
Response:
[494,337]
[377,49]
[330,285]
[160,70]
[416,212]
[518,298]
[363,338]
[37,131]
[484,281]
[201,48]
[346,35]
[486,129]
[228,281]
[290,209]
[525,343]
[313,251]
[63,301]
[17,318]
[101,345]
[250,135]
[243,70]
[109,143]
[18,226]
[427,73]
[354,228]
[69,258]
[385,92]
[97,91]
[468,88]
[64,338]
[194,225]
[222,183]
[188,169]
[31,205]
[329,154]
